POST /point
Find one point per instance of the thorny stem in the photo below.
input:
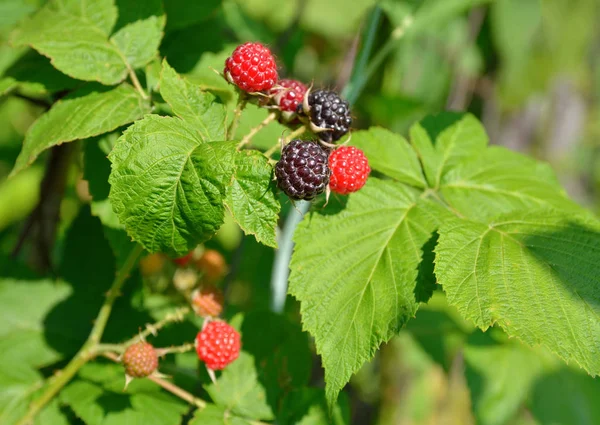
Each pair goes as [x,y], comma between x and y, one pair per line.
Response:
[241,104]
[88,350]
[151,329]
[178,349]
[169,386]
[248,137]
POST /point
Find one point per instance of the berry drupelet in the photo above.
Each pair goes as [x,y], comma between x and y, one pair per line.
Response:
[251,67]
[302,172]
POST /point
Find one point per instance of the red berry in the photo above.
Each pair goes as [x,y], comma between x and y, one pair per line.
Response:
[349,170]
[184,261]
[288,94]
[140,360]
[207,301]
[218,345]
[251,67]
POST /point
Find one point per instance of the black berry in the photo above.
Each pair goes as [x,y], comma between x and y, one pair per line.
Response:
[329,111]
[302,172]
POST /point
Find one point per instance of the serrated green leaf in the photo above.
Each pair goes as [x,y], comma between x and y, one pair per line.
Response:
[251,197]
[139,41]
[215,415]
[534,274]
[97,397]
[74,34]
[167,185]
[24,334]
[362,299]
[499,180]
[193,105]
[79,118]
[34,73]
[239,391]
[390,154]
[443,141]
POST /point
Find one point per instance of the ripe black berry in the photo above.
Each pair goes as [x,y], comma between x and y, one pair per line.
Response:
[302,172]
[329,111]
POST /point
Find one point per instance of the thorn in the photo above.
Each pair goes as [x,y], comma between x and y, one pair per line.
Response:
[211,373]
[128,380]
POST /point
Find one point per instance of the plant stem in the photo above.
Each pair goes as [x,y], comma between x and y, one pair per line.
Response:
[279,276]
[237,113]
[297,132]
[169,386]
[136,83]
[280,273]
[178,349]
[112,295]
[151,329]
[88,350]
[271,117]
[103,348]
[359,80]
[56,384]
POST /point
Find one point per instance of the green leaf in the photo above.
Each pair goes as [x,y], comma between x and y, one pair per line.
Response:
[182,13]
[239,391]
[24,335]
[139,41]
[363,298]
[565,396]
[307,406]
[391,155]
[167,185]
[534,274]
[281,352]
[35,74]
[500,378]
[74,34]
[18,388]
[193,105]
[97,397]
[79,118]
[214,415]
[499,180]
[251,197]
[443,141]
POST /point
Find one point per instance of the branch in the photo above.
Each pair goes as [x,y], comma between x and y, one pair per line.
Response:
[241,104]
[271,117]
[136,82]
[152,329]
[86,352]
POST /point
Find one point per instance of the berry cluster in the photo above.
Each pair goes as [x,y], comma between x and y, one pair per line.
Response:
[306,168]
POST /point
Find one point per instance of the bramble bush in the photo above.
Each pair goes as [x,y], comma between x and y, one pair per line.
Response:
[171,160]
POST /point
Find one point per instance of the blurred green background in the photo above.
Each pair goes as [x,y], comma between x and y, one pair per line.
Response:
[529,69]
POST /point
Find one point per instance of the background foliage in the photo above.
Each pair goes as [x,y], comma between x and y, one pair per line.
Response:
[528,70]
